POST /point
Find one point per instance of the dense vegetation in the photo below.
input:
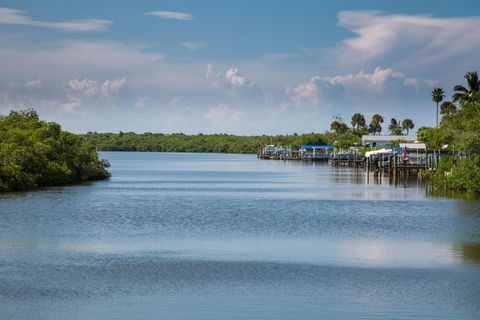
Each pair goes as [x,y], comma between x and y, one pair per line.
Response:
[36,153]
[340,135]
[458,133]
[179,142]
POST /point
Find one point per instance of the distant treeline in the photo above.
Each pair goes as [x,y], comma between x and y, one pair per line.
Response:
[218,143]
[35,153]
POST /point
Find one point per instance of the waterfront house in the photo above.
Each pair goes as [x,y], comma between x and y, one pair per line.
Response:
[385,141]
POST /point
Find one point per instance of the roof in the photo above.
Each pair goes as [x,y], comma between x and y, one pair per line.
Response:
[311,147]
[416,146]
[386,138]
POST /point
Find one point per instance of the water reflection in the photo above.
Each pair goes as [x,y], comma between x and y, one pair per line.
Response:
[469,252]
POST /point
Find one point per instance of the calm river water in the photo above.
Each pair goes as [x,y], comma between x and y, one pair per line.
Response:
[208,236]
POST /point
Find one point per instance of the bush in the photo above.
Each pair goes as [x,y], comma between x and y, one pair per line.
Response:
[37,153]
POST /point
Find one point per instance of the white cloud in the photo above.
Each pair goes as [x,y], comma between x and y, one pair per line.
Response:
[14,16]
[193,46]
[71,105]
[141,102]
[308,92]
[320,89]
[33,84]
[231,82]
[174,15]
[83,87]
[417,83]
[109,87]
[374,81]
[91,91]
[412,39]
[312,91]
[223,115]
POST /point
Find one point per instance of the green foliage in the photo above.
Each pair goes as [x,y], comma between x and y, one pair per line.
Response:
[464,175]
[346,140]
[460,130]
[37,153]
[217,143]
[465,94]
[375,124]
[447,108]
[358,121]
[434,138]
[407,125]
[338,127]
[437,96]
[394,128]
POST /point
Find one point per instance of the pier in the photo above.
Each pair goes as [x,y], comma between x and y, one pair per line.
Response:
[409,159]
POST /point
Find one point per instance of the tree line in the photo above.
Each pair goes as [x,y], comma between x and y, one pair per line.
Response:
[359,125]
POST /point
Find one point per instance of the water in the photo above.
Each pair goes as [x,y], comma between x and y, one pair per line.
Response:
[206,236]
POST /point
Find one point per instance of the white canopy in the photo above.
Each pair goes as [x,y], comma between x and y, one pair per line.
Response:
[381,151]
[415,146]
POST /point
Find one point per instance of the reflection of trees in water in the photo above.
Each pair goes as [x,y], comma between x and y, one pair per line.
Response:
[469,251]
[442,193]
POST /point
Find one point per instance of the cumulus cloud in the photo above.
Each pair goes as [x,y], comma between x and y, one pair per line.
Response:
[318,88]
[308,92]
[362,80]
[231,82]
[92,91]
[14,16]
[224,114]
[174,15]
[109,87]
[419,39]
[82,87]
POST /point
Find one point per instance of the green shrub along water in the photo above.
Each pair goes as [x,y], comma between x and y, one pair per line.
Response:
[459,134]
[35,153]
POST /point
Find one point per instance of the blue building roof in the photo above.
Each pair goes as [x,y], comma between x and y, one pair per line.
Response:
[311,147]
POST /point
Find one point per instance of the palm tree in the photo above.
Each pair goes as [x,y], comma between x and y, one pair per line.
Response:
[394,127]
[338,127]
[473,87]
[358,120]
[407,124]
[437,96]
[447,108]
[375,123]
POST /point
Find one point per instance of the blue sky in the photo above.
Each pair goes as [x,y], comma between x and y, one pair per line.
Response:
[243,67]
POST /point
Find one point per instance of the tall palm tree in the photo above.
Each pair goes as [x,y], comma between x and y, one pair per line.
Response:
[358,120]
[394,127]
[375,123]
[447,108]
[437,96]
[473,87]
[407,124]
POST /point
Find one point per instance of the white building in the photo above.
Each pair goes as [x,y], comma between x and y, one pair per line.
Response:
[380,141]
